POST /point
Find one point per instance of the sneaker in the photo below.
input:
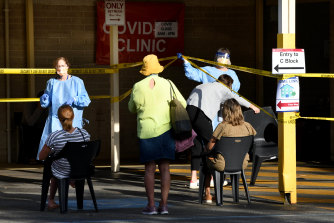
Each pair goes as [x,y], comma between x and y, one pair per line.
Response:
[149,211]
[225,183]
[194,185]
[163,210]
[207,201]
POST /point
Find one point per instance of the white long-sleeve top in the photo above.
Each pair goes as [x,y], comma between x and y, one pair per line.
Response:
[209,96]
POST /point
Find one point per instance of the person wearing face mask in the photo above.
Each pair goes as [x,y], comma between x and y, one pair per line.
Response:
[222,56]
[64,89]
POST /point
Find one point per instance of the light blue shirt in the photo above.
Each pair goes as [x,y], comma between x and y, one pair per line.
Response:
[199,76]
[59,92]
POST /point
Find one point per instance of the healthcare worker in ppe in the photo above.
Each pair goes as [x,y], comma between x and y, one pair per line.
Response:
[63,89]
[222,56]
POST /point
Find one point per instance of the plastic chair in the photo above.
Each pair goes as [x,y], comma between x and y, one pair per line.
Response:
[233,150]
[265,141]
[80,155]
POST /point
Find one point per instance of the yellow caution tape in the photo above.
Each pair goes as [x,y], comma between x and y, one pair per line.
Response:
[75,71]
[316,118]
[111,70]
[186,58]
[263,72]
[53,71]
[244,69]
[113,99]
[18,99]
[318,75]
[114,69]
[267,74]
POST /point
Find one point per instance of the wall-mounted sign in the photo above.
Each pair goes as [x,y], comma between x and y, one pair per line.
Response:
[114,12]
[287,95]
[288,61]
[150,28]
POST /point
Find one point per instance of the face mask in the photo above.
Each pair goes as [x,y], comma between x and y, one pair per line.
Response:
[223,58]
[224,61]
[62,70]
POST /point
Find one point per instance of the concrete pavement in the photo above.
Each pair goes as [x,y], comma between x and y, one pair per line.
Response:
[121,197]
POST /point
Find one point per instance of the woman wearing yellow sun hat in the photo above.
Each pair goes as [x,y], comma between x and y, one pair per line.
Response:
[150,99]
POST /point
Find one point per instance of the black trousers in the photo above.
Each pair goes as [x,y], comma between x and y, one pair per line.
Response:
[202,125]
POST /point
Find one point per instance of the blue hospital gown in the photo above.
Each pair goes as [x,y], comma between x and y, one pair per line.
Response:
[59,92]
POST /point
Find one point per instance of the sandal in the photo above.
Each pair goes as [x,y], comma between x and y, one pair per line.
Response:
[72,183]
[52,205]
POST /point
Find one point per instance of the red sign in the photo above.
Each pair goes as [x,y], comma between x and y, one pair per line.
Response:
[288,104]
[150,28]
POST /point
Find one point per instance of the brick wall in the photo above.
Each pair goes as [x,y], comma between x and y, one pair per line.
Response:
[68,28]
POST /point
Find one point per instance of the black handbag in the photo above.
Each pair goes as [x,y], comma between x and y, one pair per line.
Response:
[181,124]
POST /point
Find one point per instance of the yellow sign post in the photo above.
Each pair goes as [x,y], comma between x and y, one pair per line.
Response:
[287,128]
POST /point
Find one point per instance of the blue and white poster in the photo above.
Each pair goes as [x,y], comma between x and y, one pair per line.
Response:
[287,95]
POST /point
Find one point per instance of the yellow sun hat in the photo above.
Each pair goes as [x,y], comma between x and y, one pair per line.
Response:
[151,65]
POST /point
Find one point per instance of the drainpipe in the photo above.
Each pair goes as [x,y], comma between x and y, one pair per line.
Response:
[30,46]
[9,146]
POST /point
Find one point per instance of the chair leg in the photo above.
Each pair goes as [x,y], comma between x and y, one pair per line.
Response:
[79,192]
[236,178]
[223,177]
[218,187]
[245,186]
[63,194]
[92,193]
[235,187]
[201,185]
[257,162]
[45,189]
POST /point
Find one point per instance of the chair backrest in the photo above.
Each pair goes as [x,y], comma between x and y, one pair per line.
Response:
[80,155]
[265,125]
[233,150]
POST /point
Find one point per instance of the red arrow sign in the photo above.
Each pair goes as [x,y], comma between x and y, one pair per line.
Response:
[289,104]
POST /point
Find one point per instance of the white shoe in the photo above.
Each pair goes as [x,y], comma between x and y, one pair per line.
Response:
[207,201]
[194,185]
[213,185]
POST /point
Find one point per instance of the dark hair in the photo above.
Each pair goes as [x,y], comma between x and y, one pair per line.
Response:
[66,116]
[232,112]
[61,58]
[226,79]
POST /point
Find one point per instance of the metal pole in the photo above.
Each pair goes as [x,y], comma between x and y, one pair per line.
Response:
[259,50]
[30,45]
[114,107]
[8,120]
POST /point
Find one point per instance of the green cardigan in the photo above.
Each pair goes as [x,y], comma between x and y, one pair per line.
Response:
[152,106]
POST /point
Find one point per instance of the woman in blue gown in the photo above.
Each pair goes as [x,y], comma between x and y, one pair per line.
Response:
[63,89]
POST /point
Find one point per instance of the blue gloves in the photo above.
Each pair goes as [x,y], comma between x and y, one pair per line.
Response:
[69,101]
[179,56]
[44,97]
